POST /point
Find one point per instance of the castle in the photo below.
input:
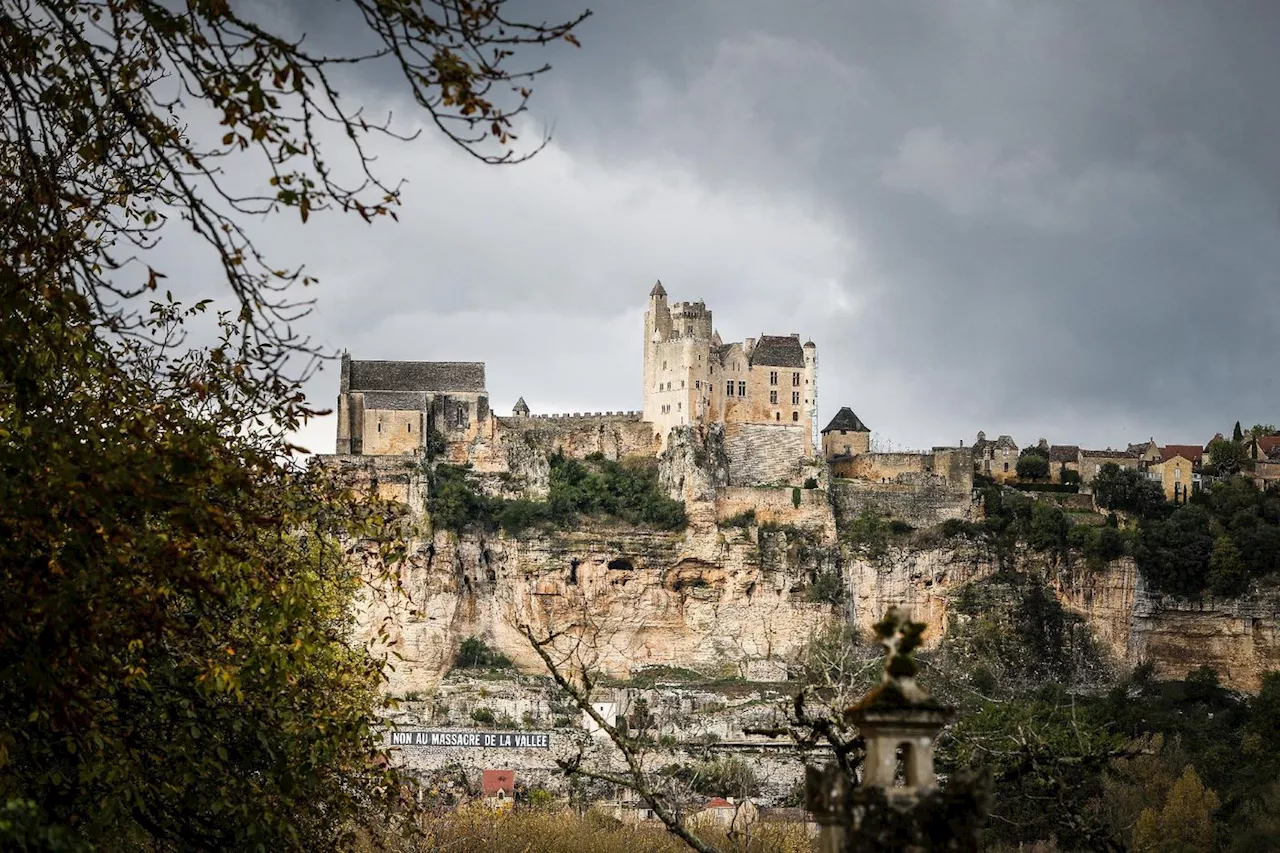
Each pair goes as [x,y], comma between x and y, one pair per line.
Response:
[692,377]
[761,393]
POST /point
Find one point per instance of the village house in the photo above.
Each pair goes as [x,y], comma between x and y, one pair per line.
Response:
[498,788]
[1177,470]
[1063,457]
[1091,462]
[995,459]
[727,814]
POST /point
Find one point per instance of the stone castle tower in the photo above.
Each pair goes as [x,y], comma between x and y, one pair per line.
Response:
[692,377]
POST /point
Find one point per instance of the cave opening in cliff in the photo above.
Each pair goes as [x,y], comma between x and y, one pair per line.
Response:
[621,564]
[573,571]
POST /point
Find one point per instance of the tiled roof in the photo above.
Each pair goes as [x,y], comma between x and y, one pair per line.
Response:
[417,376]
[718,803]
[778,351]
[1064,453]
[845,419]
[1191,452]
[658,290]
[1112,454]
[1270,445]
[493,781]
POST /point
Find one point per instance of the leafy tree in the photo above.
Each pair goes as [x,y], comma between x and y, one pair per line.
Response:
[1227,575]
[1033,466]
[1049,527]
[1227,456]
[1174,554]
[1127,489]
[176,671]
[1069,476]
[1185,824]
[475,653]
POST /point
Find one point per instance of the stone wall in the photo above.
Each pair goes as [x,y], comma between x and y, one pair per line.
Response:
[920,504]
[761,454]
[776,505]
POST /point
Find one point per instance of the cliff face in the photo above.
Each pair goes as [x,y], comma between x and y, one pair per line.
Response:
[1239,637]
[730,596]
[710,600]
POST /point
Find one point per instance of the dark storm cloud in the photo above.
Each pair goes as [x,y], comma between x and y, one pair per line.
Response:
[1043,218]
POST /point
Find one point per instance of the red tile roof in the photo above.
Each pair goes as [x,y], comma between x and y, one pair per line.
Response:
[1191,452]
[493,781]
[719,803]
[1269,444]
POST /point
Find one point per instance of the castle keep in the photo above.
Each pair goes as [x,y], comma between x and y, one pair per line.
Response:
[692,377]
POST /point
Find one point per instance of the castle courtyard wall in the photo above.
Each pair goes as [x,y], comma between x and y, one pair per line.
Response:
[761,454]
[920,504]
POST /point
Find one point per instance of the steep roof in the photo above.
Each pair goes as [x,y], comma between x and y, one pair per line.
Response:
[778,351]
[493,781]
[845,419]
[658,289]
[1191,452]
[1269,445]
[1064,453]
[417,376]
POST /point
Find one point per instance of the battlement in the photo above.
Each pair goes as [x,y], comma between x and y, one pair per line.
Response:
[579,416]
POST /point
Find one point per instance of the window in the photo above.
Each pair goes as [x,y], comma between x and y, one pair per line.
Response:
[379,426]
[742,389]
[728,388]
[697,385]
[1177,473]
[1006,467]
[843,432]
[462,417]
[678,405]
[409,427]
[795,398]
[795,416]
[795,379]
[773,377]
[681,383]
[777,416]
[664,365]
[773,397]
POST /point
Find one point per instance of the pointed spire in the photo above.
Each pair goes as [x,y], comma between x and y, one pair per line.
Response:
[658,290]
[521,409]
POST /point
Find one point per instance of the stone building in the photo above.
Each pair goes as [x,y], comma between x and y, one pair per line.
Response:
[1063,457]
[691,377]
[1177,470]
[1091,462]
[846,435]
[995,459]
[389,407]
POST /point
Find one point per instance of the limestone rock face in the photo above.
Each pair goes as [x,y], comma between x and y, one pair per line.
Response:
[733,600]
[1238,637]
[694,464]
[624,598]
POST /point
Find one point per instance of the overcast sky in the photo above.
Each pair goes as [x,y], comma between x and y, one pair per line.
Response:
[1041,218]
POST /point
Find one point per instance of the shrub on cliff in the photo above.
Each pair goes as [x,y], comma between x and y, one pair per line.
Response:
[475,653]
[593,487]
